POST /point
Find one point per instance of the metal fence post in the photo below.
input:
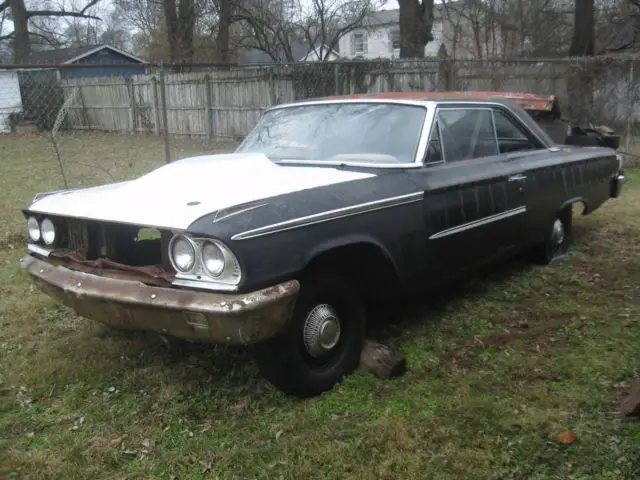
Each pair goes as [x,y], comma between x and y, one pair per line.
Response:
[156,108]
[208,104]
[165,121]
[630,108]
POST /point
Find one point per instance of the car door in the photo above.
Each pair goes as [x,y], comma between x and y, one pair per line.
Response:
[473,195]
[523,148]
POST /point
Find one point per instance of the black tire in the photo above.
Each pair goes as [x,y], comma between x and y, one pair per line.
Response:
[287,360]
[556,244]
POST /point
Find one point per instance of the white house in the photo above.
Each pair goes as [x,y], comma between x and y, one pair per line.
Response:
[10,98]
[301,52]
[466,29]
[379,37]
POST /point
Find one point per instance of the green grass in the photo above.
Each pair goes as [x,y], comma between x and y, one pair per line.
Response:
[498,368]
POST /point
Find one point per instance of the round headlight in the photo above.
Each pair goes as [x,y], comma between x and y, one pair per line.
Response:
[48,231]
[212,258]
[34,229]
[183,254]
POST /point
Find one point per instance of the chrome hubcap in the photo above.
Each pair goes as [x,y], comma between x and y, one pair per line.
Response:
[321,330]
[558,231]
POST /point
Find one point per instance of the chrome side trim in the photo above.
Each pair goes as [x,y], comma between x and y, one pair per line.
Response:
[478,223]
[238,209]
[331,163]
[45,252]
[330,215]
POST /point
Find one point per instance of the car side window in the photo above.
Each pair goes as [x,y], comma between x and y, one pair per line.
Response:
[511,137]
[467,133]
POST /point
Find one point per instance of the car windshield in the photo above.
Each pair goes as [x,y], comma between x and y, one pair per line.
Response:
[339,132]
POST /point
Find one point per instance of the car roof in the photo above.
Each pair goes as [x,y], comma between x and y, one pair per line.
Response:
[528,101]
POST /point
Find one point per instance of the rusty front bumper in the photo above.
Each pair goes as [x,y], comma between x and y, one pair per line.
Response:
[237,319]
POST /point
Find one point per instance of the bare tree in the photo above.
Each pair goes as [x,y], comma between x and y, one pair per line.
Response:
[325,22]
[180,18]
[416,20]
[583,42]
[225,10]
[23,19]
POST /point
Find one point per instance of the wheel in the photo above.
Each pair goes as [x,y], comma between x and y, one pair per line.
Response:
[558,239]
[321,343]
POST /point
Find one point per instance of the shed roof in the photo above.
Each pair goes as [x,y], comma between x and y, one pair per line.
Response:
[73,54]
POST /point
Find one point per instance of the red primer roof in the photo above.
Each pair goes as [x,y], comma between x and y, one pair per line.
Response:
[528,101]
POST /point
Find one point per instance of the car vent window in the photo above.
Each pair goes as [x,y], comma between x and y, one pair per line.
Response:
[434,149]
[467,134]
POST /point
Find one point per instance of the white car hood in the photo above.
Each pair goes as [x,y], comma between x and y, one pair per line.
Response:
[177,194]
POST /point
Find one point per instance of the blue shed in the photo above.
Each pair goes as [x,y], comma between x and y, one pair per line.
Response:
[89,54]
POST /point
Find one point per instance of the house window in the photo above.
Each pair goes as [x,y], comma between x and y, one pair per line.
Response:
[395,39]
[359,43]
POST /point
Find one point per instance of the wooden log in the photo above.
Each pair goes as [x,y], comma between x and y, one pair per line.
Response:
[630,406]
[380,360]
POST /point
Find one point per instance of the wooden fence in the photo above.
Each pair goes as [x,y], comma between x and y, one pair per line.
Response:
[227,103]
[221,103]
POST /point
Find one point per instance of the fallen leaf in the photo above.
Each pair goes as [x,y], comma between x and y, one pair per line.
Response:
[279,434]
[567,437]
[116,441]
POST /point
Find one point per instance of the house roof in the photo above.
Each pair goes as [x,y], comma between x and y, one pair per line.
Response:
[73,54]
[528,101]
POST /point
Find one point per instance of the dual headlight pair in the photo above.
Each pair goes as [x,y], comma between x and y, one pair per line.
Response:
[194,257]
[41,231]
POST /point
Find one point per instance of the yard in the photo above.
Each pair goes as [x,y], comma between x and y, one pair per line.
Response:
[503,368]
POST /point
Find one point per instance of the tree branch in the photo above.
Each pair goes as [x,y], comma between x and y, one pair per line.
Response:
[6,37]
[60,13]
[63,13]
[89,5]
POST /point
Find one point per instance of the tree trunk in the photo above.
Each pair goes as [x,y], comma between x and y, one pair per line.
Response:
[187,23]
[224,25]
[21,40]
[171,20]
[180,20]
[583,42]
[416,19]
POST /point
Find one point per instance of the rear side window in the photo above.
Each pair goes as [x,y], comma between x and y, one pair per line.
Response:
[511,137]
[467,134]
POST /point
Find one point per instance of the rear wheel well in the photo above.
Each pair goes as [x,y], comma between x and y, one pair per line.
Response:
[573,203]
[365,265]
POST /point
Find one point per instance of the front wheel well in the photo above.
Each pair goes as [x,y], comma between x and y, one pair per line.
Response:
[365,265]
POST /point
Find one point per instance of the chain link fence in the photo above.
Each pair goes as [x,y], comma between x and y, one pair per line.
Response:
[91,114]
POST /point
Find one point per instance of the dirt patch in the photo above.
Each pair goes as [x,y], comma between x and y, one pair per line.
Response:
[525,334]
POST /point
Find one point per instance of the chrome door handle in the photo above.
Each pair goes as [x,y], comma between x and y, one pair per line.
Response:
[517,178]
